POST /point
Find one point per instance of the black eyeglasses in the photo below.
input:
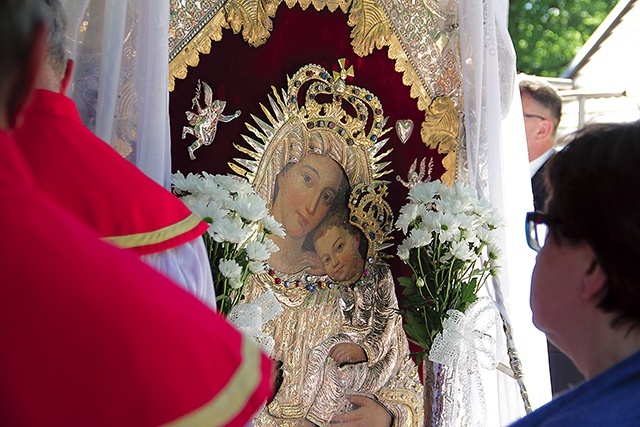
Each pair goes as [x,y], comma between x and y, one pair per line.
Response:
[528,116]
[537,229]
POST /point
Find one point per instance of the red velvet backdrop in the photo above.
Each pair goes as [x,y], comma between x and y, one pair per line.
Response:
[243,75]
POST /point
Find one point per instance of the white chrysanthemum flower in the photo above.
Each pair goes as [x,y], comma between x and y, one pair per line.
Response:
[470,236]
[256,267]
[250,207]
[227,230]
[270,245]
[484,234]
[462,251]
[426,192]
[208,188]
[235,283]
[210,212]
[403,250]
[449,227]
[489,214]
[452,205]
[229,268]
[271,226]
[407,214]
[257,251]
[446,257]
[231,183]
[420,238]
[466,221]
[185,184]
[413,215]
[494,250]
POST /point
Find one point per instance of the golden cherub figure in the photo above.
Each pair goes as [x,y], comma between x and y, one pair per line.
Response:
[204,122]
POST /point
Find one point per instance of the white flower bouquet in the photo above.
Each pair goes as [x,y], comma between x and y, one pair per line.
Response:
[237,239]
[449,242]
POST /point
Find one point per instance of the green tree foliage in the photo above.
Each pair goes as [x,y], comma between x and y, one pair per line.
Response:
[547,34]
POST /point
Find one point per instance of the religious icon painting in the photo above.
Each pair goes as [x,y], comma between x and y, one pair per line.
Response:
[318,157]
[330,96]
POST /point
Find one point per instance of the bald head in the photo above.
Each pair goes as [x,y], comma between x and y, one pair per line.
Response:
[56,69]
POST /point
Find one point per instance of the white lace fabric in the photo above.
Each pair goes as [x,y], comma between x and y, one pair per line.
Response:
[250,318]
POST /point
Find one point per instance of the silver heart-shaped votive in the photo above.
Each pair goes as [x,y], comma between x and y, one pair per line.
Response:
[404,129]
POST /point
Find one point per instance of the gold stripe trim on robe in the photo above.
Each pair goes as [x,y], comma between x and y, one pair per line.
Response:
[231,400]
[157,236]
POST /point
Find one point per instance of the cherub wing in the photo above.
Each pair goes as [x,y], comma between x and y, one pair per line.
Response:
[422,169]
[208,95]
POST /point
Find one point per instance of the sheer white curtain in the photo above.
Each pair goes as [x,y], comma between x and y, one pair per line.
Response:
[121,79]
[498,168]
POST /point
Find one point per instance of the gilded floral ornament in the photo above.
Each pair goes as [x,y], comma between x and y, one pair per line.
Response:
[440,129]
[253,18]
[371,27]
[332,5]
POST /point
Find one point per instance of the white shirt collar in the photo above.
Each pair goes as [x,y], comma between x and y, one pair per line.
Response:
[536,164]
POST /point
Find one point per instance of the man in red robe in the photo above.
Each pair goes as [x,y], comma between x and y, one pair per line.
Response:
[89,334]
[91,180]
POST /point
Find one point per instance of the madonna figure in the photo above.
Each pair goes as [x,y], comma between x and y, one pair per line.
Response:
[304,192]
[305,162]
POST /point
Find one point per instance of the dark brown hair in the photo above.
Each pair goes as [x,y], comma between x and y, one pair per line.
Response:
[18,21]
[593,183]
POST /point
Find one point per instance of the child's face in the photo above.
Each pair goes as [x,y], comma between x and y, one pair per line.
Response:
[338,251]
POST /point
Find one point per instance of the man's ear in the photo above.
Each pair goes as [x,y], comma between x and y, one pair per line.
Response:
[545,129]
[68,73]
[26,76]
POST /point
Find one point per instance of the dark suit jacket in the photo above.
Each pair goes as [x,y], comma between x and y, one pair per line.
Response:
[539,188]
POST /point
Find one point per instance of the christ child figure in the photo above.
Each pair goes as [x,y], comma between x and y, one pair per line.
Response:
[362,356]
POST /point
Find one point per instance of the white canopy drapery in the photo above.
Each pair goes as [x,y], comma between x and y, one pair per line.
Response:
[121,78]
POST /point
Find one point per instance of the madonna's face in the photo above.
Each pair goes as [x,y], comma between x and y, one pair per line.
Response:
[306,191]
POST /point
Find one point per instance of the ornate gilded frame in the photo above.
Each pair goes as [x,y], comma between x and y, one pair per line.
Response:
[423,42]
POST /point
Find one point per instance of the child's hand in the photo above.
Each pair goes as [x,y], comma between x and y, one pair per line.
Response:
[313,264]
[347,354]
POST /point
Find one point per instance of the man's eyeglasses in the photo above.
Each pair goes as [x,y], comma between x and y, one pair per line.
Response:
[529,116]
[537,228]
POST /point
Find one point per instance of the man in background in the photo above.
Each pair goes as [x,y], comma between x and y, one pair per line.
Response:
[542,111]
[91,180]
[90,335]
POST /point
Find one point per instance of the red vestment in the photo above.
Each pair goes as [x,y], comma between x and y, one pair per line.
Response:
[91,336]
[90,179]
